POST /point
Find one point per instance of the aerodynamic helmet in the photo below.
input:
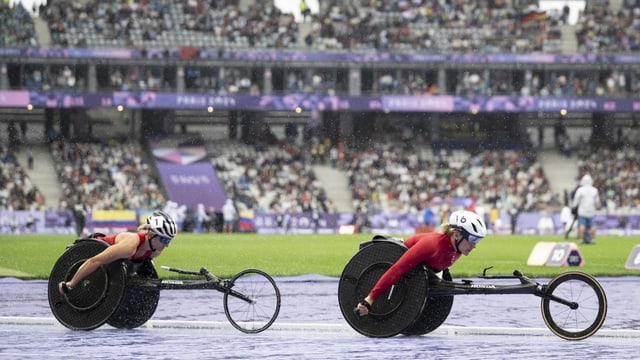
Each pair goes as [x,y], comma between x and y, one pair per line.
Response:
[469,224]
[162,224]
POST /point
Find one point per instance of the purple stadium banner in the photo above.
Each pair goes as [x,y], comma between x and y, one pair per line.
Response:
[191,184]
[322,56]
[36,222]
[388,103]
[74,53]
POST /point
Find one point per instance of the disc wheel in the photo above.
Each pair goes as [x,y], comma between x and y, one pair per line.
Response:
[398,307]
[251,301]
[435,312]
[90,303]
[138,303]
[586,317]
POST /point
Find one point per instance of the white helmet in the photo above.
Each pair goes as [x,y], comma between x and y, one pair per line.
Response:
[469,224]
[162,224]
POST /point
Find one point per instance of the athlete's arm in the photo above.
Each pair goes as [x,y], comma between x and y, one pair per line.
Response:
[125,246]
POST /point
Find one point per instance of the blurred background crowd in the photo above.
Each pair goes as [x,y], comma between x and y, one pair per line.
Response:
[280,176]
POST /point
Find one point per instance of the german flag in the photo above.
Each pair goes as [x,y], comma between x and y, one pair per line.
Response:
[534,15]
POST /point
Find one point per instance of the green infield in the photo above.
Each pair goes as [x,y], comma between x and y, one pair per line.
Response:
[32,257]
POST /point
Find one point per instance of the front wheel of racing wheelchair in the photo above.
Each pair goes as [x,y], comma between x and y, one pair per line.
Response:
[103,296]
[405,308]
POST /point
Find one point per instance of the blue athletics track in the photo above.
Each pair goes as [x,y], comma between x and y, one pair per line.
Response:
[190,324]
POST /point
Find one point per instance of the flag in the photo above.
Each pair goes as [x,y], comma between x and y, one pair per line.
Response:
[534,15]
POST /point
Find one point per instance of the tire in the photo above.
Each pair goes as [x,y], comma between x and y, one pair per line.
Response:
[395,310]
[586,318]
[251,301]
[90,304]
[138,303]
[435,312]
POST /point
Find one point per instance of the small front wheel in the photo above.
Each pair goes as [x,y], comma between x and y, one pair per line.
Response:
[251,301]
[589,299]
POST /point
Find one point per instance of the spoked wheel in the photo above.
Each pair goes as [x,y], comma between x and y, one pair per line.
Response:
[252,301]
[589,308]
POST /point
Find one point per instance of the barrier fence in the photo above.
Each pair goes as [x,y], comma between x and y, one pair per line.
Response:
[64,222]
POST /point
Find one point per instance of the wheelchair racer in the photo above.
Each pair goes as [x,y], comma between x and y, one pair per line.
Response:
[148,242]
[436,250]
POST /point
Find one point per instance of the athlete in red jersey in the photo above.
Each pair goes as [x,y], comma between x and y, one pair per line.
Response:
[437,251]
[152,237]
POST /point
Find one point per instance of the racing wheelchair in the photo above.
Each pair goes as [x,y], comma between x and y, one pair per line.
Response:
[573,304]
[125,294]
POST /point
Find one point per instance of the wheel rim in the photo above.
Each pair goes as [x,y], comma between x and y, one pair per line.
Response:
[580,323]
[258,314]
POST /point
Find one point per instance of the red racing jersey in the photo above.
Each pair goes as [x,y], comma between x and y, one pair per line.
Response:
[433,250]
[111,239]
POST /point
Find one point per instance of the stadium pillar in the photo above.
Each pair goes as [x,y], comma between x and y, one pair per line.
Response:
[267,86]
[442,79]
[180,84]
[355,82]
[4,78]
[92,79]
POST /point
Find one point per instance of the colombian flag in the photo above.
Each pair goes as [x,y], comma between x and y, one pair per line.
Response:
[245,222]
[114,220]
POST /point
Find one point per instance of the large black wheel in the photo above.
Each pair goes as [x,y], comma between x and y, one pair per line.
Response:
[90,304]
[588,310]
[251,301]
[395,310]
[435,312]
[138,303]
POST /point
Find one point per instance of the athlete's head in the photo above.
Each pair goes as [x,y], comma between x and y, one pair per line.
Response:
[162,225]
[470,226]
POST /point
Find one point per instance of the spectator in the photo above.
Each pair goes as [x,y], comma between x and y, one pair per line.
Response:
[304,10]
[229,215]
[587,201]
[545,224]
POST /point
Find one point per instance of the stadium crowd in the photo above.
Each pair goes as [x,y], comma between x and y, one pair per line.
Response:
[442,26]
[17,192]
[616,173]
[17,26]
[390,177]
[280,178]
[269,179]
[463,26]
[105,176]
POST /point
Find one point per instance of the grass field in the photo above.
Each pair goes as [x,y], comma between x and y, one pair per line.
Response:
[32,257]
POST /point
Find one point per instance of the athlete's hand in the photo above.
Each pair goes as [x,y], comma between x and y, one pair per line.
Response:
[362,309]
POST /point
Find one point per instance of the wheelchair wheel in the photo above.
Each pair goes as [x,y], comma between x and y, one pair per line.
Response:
[90,304]
[395,310]
[589,313]
[435,312]
[138,303]
[251,301]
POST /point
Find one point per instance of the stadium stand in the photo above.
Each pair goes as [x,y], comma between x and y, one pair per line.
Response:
[106,176]
[278,173]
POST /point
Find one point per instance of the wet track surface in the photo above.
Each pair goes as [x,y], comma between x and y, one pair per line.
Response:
[190,324]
